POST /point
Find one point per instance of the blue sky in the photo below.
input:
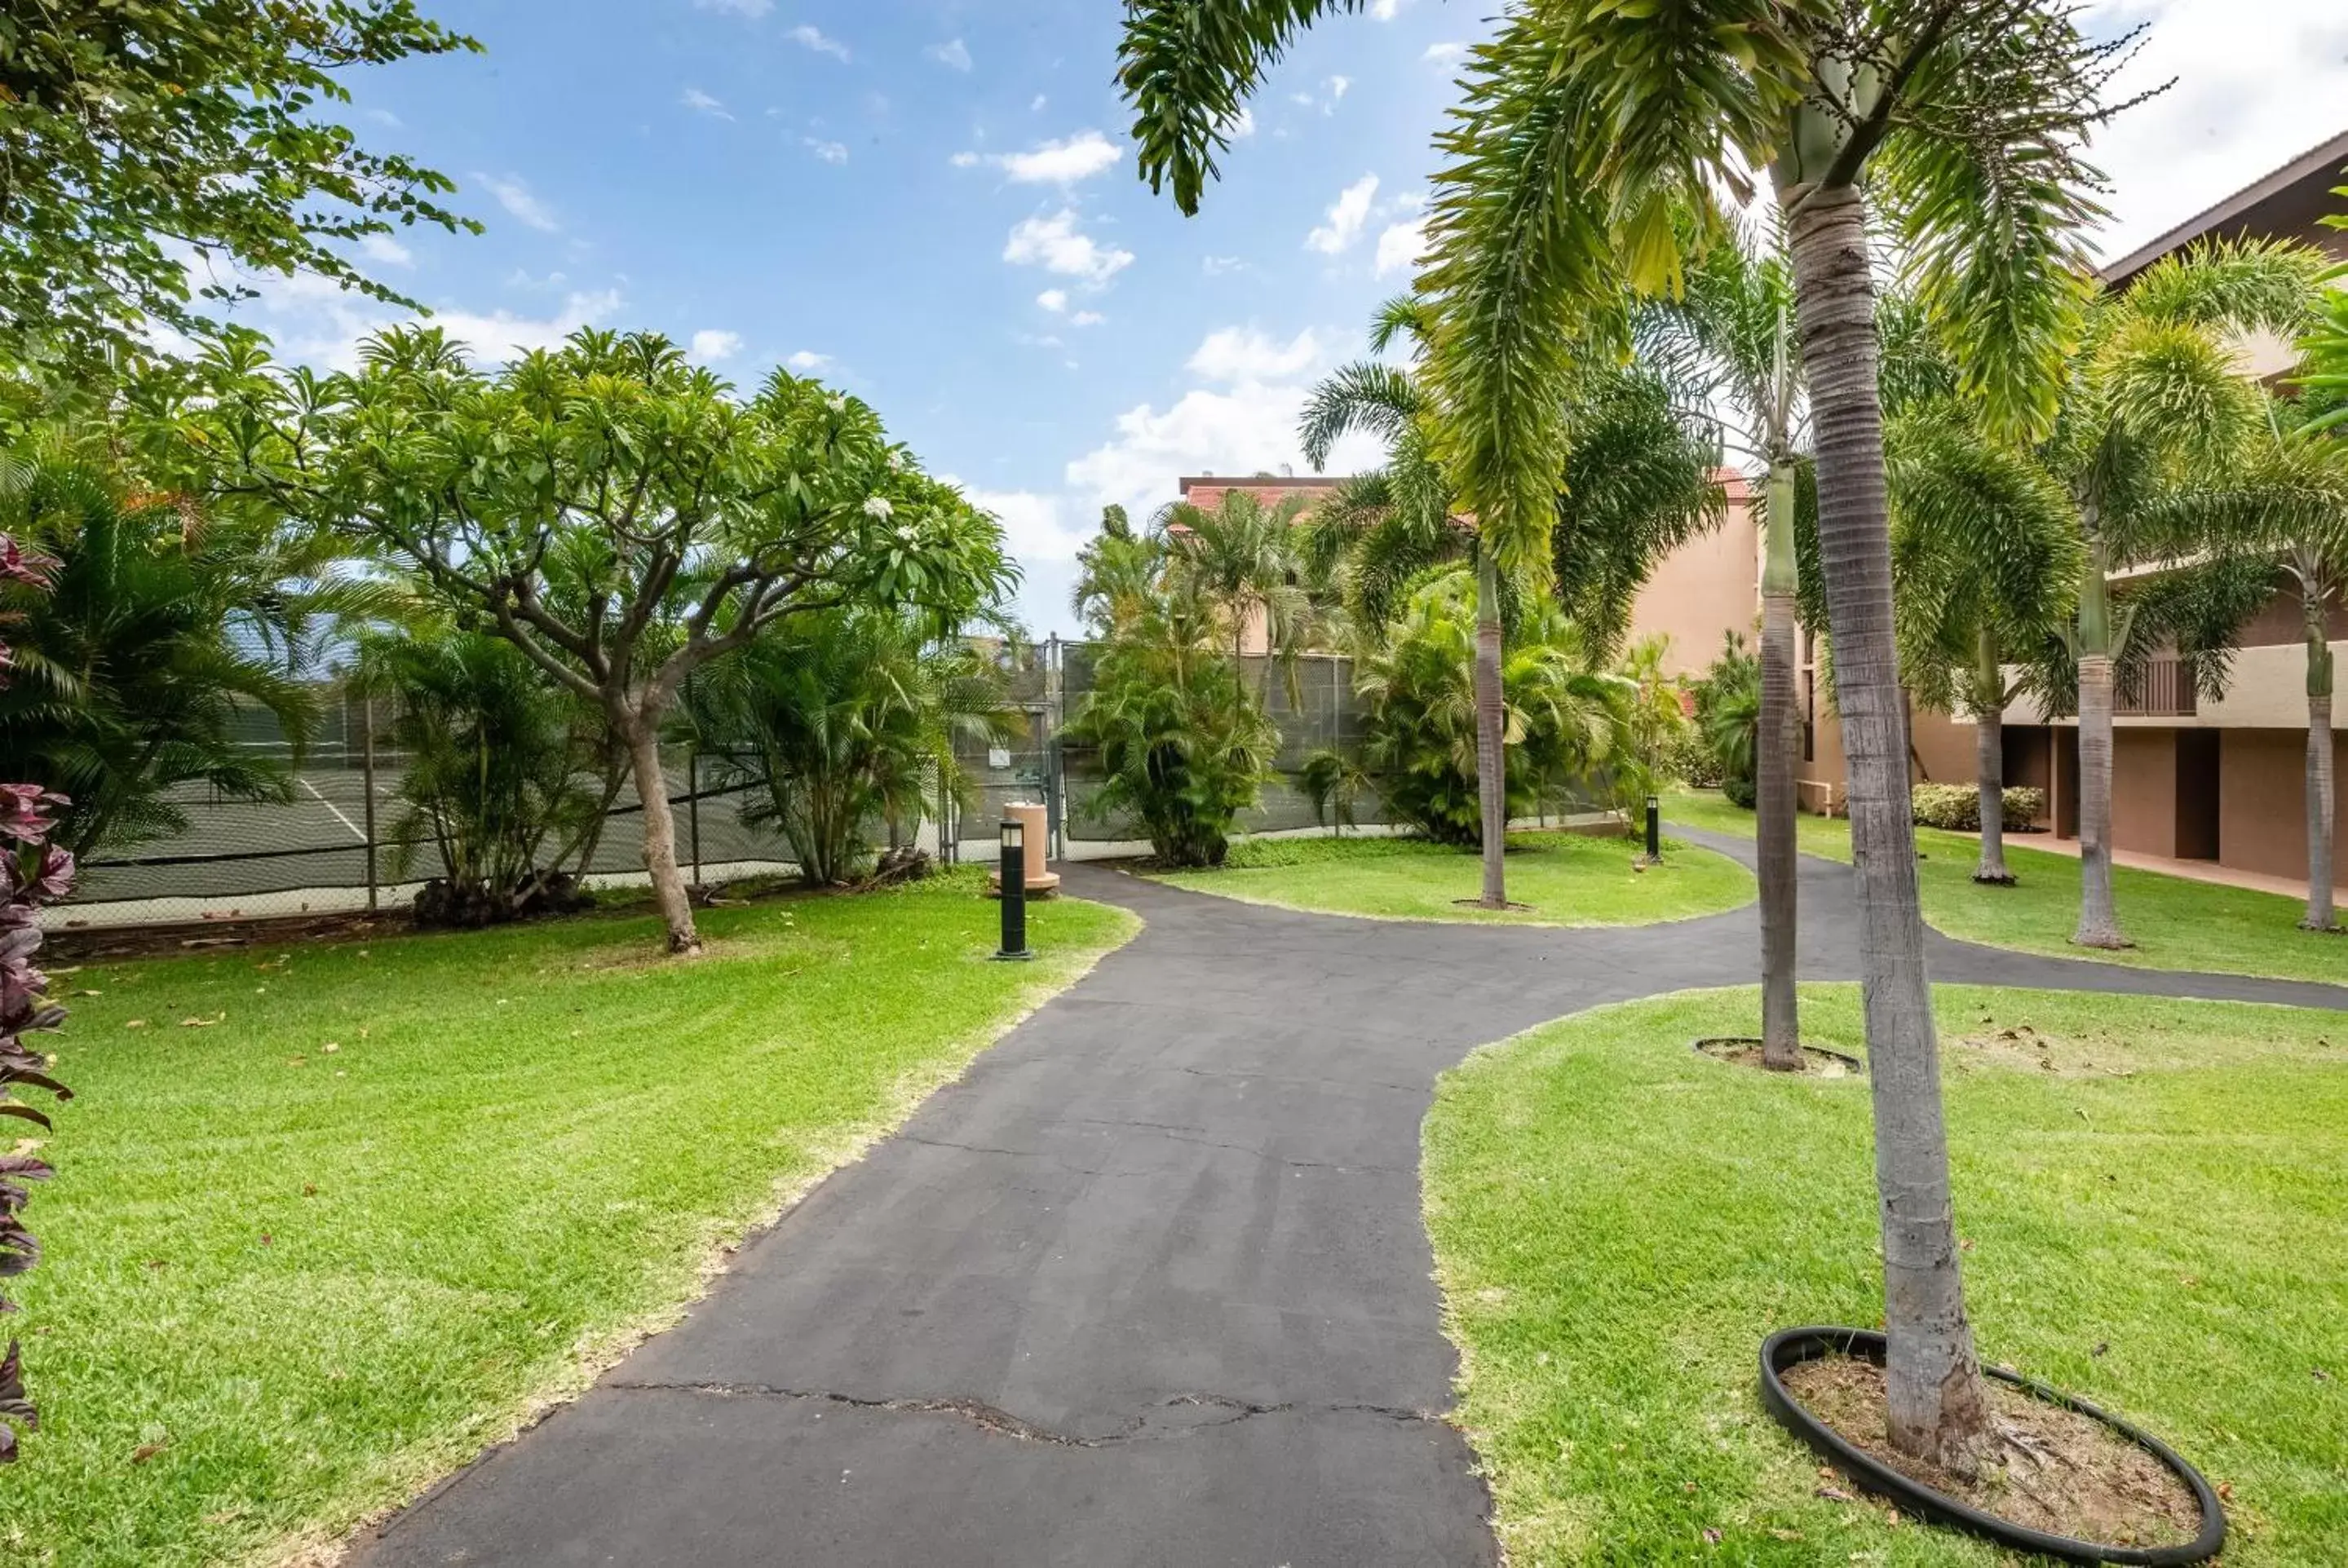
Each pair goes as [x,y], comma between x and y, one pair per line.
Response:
[933,203]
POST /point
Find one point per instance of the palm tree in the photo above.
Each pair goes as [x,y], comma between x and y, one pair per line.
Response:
[1115,571]
[1590,145]
[1985,562]
[162,629]
[2319,558]
[1728,335]
[1241,557]
[2153,391]
[1639,485]
[1406,516]
[843,721]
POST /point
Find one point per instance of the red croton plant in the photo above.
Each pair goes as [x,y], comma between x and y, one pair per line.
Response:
[33,872]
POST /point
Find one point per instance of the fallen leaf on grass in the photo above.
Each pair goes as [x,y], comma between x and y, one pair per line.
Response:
[329,1049]
[204,1022]
[1834,1494]
[1711,1536]
[2225,1491]
[134,1023]
[146,1452]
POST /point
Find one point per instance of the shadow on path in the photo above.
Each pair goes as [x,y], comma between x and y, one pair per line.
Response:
[1147,1285]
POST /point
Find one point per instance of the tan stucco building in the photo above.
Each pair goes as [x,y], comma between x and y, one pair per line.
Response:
[2191,779]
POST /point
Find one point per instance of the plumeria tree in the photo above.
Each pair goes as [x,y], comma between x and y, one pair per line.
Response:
[618,514]
[1594,143]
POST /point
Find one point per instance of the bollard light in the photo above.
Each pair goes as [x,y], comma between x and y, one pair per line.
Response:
[1014,892]
[1654,828]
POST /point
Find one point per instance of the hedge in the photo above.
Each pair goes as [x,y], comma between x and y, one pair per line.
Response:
[1957,807]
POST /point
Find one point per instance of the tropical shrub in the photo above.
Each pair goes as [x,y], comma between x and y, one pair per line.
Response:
[1957,807]
[1728,715]
[1564,722]
[33,872]
[159,629]
[1183,742]
[501,781]
[841,725]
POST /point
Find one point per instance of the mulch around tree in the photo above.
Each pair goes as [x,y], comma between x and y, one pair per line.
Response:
[2057,1470]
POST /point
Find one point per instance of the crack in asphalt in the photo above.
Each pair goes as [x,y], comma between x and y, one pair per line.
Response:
[999,1422]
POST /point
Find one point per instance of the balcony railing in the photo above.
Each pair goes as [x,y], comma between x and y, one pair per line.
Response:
[2166,692]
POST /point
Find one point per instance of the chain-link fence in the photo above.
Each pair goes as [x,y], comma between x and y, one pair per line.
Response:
[346,840]
[1310,699]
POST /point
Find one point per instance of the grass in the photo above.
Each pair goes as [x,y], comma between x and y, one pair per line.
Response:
[2154,1213]
[302,1280]
[1568,879]
[2175,922]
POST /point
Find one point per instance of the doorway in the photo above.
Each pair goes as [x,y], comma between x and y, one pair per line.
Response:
[2196,794]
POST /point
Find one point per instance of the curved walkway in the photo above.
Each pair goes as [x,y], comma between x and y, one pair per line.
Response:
[1147,1285]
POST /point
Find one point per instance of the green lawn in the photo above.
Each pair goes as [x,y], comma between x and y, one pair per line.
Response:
[1568,879]
[2176,924]
[2154,1208]
[302,1278]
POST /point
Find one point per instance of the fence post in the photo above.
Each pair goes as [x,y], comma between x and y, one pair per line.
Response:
[366,782]
[1054,837]
[692,806]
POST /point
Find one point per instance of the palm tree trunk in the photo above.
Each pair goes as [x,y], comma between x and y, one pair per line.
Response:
[1989,758]
[2321,803]
[2099,925]
[1938,1404]
[1773,784]
[660,837]
[1491,777]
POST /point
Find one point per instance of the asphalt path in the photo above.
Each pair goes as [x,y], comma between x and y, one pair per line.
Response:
[1147,1285]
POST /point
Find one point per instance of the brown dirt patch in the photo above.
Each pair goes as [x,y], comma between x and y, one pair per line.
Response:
[2059,1471]
[1740,1052]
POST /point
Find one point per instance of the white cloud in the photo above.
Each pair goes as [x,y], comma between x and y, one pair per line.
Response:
[1080,156]
[518,202]
[1249,428]
[710,343]
[2256,87]
[807,362]
[1347,215]
[1385,10]
[1057,245]
[1216,266]
[1038,106]
[1446,54]
[1240,355]
[830,151]
[809,36]
[1087,319]
[1033,527]
[501,335]
[1242,125]
[384,116]
[702,103]
[1054,299]
[1400,245]
[383,248]
[738,7]
[953,54]
[1336,86]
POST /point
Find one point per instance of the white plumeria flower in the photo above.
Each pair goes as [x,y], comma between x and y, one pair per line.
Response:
[878,506]
[897,461]
[907,535]
[839,403]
